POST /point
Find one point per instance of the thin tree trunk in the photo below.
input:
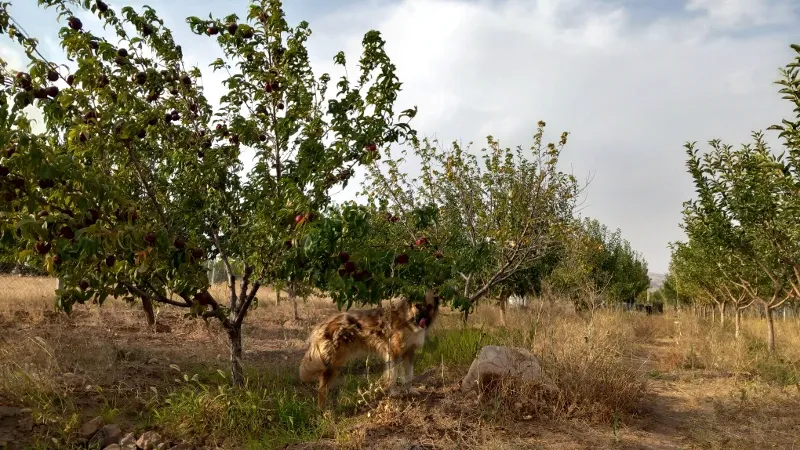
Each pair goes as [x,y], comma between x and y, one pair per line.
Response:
[770,329]
[465,317]
[503,305]
[293,299]
[235,340]
[722,306]
[713,315]
[149,314]
[738,322]
[277,296]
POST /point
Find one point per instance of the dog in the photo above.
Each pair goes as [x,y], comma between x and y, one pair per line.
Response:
[393,334]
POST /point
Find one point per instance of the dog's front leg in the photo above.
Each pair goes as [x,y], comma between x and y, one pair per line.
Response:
[408,373]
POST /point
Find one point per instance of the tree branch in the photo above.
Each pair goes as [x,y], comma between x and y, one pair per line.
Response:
[228,268]
[245,306]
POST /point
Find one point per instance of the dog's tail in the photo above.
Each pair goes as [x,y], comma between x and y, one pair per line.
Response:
[313,363]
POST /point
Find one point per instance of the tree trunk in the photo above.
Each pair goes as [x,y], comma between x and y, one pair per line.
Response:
[738,322]
[235,339]
[465,317]
[722,306]
[293,299]
[149,314]
[770,329]
[713,315]
[503,305]
[277,296]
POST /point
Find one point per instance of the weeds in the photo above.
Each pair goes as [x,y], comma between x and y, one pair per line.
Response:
[105,363]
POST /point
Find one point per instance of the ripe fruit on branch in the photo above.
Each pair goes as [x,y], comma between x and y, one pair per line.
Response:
[298,219]
[93,216]
[197,253]
[110,260]
[401,258]
[84,285]
[350,267]
[372,147]
[150,237]
[66,232]
[42,248]
[362,275]
[52,75]
[344,256]
[179,243]
[75,23]
[203,298]
[422,242]
[212,30]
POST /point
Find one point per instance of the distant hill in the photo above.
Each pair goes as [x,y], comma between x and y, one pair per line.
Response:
[656,280]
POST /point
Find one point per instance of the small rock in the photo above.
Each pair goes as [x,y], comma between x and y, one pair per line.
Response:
[113,447]
[183,446]
[497,361]
[128,442]
[91,427]
[162,446]
[108,435]
[149,440]
[152,361]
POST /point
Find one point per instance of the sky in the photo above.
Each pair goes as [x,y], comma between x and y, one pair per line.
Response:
[630,80]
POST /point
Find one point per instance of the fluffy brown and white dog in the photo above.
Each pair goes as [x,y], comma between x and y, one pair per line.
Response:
[394,334]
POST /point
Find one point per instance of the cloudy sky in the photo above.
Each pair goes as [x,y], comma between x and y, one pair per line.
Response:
[631,80]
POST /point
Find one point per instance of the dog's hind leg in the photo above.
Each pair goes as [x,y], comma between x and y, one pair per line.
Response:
[389,377]
[325,381]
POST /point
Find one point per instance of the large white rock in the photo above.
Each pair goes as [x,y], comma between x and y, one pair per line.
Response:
[496,361]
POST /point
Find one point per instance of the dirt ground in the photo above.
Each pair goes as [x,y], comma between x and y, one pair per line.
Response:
[104,358]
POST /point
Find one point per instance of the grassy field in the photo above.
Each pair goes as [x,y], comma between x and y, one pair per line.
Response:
[625,380]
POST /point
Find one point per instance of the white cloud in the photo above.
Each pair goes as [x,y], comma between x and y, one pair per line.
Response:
[731,13]
[629,93]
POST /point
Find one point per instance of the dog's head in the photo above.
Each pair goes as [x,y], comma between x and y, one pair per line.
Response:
[425,312]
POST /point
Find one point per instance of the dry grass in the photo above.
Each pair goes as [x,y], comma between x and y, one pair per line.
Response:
[624,380]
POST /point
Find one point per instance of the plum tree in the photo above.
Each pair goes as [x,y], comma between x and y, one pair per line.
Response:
[148,178]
